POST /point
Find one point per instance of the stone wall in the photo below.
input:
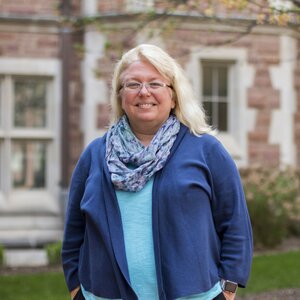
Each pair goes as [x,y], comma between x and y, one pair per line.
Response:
[108,6]
[30,7]
[263,97]
[32,42]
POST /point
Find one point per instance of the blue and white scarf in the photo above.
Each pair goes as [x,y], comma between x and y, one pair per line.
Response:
[130,163]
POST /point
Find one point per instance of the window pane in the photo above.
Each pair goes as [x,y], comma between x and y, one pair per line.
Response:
[30,103]
[28,164]
[222,81]
[207,81]
[222,116]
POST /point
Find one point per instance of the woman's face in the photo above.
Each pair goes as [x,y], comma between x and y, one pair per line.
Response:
[145,107]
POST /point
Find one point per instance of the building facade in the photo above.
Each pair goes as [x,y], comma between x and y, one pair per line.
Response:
[56,62]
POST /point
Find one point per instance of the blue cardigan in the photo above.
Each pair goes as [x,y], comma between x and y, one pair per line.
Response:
[201,226]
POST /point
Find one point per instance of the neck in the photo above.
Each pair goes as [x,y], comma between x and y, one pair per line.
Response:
[144,132]
[144,138]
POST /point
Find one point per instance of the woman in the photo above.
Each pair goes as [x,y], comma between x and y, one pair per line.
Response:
[156,207]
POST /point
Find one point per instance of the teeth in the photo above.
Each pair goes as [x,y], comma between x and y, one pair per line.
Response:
[145,105]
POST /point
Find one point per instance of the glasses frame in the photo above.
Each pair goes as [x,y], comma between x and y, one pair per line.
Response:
[146,85]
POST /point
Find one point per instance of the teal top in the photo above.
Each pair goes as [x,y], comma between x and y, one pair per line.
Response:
[136,213]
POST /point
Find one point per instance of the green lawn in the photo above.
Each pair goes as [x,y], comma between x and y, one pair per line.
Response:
[276,271]
[42,286]
[269,272]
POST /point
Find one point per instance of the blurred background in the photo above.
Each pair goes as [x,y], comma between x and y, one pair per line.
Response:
[56,62]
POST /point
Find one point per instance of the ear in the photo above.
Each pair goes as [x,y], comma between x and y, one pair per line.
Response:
[173,97]
[173,104]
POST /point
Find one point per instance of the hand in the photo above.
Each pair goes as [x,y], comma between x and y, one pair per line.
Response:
[229,295]
[74,292]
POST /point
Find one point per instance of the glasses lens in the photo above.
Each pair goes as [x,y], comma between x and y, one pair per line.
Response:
[155,85]
[133,85]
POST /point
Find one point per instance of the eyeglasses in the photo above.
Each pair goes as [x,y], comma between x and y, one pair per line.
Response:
[153,86]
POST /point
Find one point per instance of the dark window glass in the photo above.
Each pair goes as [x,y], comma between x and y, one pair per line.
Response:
[215,93]
[30,105]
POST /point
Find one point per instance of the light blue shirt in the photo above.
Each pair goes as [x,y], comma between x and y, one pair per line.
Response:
[136,213]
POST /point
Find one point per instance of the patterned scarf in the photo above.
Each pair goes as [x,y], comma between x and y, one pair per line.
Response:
[130,163]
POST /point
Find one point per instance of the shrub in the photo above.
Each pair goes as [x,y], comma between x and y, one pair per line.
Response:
[54,253]
[273,202]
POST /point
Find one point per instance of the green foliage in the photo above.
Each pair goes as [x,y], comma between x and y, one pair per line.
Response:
[272,272]
[1,255]
[269,226]
[273,201]
[54,253]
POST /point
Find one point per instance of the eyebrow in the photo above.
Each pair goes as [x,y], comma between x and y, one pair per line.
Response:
[139,80]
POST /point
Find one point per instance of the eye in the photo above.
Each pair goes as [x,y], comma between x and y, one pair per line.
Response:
[156,85]
[132,85]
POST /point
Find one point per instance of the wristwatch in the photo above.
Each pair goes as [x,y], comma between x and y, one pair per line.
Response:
[229,286]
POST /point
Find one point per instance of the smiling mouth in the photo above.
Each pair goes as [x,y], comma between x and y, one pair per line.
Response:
[145,105]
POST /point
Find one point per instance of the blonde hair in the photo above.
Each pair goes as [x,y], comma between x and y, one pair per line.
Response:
[187,109]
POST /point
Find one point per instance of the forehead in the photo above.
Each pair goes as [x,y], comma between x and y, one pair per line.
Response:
[142,70]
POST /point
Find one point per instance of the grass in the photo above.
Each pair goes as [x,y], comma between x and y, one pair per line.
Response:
[274,271]
[46,286]
[269,272]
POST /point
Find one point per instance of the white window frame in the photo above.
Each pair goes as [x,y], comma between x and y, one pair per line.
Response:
[216,98]
[241,75]
[39,200]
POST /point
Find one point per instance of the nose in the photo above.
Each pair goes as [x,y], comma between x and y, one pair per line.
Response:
[144,90]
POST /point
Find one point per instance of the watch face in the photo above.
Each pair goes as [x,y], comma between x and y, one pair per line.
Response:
[230,286]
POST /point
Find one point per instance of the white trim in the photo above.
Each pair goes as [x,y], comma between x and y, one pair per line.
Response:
[242,76]
[29,66]
[29,134]
[138,5]
[89,7]
[282,123]
[95,89]
[37,202]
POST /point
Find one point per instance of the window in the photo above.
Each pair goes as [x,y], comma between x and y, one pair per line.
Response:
[215,91]
[26,131]
[221,77]
[30,101]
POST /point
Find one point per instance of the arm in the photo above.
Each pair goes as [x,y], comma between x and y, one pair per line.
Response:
[231,217]
[75,224]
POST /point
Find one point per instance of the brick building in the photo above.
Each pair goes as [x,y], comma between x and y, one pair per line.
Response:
[56,61]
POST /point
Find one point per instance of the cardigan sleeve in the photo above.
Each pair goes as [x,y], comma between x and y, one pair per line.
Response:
[74,222]
[231,217]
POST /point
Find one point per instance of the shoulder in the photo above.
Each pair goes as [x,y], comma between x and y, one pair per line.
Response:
[205,141]
[208,146]
[95,146]
[93,151]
